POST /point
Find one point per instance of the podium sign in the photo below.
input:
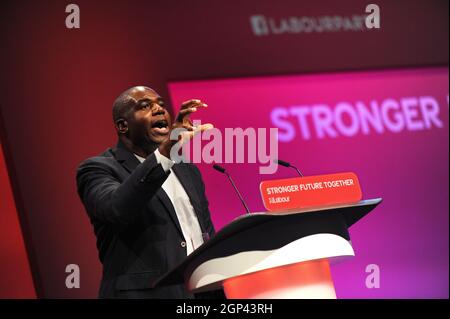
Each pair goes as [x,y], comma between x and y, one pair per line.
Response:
[310,191]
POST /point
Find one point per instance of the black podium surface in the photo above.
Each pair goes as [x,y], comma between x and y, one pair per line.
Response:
[270,230]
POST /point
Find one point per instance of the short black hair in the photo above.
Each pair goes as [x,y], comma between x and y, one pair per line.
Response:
[121,105]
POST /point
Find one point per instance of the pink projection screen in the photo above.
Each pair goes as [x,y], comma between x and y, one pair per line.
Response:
[389,127]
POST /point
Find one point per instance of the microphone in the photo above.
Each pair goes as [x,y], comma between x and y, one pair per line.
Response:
[287,164]
[223,171]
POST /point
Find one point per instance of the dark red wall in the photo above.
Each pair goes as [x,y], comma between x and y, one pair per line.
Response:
[15,275]
[58,85]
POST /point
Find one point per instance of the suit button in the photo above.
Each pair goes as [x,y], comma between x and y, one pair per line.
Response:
[183,244]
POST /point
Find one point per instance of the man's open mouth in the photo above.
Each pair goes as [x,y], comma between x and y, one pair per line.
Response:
[160,127]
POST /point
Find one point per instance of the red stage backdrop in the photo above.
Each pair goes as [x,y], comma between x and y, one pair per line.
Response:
[15,273]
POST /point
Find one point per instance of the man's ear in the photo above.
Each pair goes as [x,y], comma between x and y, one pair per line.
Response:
[121,126]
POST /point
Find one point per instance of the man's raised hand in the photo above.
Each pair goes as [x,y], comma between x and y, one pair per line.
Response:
[183,127]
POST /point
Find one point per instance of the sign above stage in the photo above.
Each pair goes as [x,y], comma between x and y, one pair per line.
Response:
[310,191]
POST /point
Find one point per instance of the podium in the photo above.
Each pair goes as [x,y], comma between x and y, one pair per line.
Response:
[286,254]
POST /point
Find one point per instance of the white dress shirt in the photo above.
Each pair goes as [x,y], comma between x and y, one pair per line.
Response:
[185,212]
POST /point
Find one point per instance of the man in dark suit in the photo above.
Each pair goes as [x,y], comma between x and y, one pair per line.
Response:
[148,213]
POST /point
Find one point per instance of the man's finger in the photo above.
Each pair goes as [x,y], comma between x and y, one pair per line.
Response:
[203,127]
[183,113]
[189,127]
[194,130]
[193,103]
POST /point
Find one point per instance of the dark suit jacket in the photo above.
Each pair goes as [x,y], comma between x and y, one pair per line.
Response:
[138,234]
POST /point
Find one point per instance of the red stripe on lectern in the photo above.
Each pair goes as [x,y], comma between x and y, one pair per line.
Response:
[264,282]
[15,275]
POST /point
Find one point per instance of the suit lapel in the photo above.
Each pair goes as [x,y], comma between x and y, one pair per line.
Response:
[165,200]
[126,158]
[130,162]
